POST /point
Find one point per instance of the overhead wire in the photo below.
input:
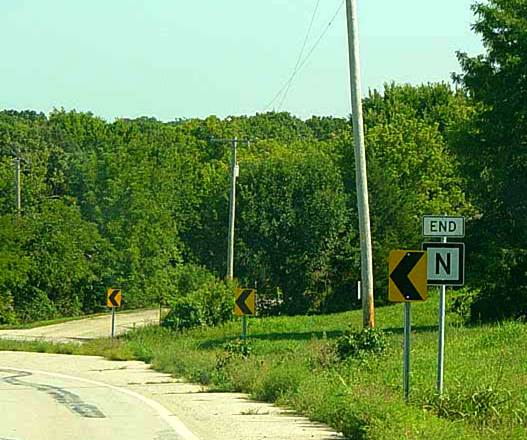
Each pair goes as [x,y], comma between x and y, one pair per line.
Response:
[300,65]
[300,54]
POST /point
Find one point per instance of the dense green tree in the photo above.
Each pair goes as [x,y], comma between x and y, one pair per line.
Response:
[293,228]
[67,256]
[132,203]
[14,266]
[494,154]
[411,174]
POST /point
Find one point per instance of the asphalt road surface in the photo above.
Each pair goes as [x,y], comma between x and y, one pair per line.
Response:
[85,329]
[40,405]
[62,397]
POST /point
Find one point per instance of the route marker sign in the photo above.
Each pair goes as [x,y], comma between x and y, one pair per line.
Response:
[443,226]
[446,263]
[245,302]
[407,281]
[113,297]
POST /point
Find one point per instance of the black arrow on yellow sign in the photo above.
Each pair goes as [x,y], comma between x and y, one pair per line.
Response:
[244,302]
[114,298]
[408,276]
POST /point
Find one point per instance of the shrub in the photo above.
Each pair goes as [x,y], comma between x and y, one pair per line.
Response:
[35,306]
[504,288]
[461,302]
[186,312]
[357,343]
[188,279]
[239,349]
[322,354]
[280,380]
[201,300]
[7,311]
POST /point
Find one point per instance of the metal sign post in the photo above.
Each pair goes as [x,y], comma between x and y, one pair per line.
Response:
[441,342]
[407,282]
[406,350]
[446,266]
[113,322]
[244,327]
[113,300]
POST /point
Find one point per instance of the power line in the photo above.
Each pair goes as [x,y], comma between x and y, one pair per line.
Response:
[301,53]
[289,82]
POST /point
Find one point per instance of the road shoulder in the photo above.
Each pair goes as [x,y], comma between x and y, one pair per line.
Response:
[211,416]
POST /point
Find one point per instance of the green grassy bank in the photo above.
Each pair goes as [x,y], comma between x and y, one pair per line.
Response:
[292,361]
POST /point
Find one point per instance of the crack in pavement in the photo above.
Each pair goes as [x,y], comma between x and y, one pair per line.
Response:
[70,400]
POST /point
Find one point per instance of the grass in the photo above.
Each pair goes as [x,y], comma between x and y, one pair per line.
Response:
[291,361]
[113,350]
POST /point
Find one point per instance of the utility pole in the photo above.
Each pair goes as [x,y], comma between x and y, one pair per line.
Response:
[232,203]
[232,211]
[368,311]
[18,189]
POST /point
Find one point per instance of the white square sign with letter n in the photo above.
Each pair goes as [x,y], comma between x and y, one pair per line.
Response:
[446,263]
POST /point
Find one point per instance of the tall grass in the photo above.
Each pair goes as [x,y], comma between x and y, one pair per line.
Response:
[294,362]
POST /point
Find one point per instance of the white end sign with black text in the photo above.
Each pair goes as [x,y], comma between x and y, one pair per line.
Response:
[446,263]
[443,226]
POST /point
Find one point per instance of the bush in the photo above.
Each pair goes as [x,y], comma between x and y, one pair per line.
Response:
[461,302]
[35,305]
[201,300]
[7,311]
[186,312]
[357,343]
[504,293]
[188,279]
[238,350]
[322,354]
[281,380]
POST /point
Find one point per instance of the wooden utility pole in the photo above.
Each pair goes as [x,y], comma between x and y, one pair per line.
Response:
[360,166]
[232,211]
[18,188]
[232,203]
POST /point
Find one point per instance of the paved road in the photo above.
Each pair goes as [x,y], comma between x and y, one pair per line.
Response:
[63,397]
[42,405]
[85,329]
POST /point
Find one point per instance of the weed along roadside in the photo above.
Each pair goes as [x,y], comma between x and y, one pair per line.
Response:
[327,369]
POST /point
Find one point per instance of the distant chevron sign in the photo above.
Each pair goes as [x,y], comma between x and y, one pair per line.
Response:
[113,297]
[245,302]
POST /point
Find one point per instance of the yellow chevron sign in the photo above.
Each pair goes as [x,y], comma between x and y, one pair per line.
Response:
[407,280]
[113,297]
[245,302]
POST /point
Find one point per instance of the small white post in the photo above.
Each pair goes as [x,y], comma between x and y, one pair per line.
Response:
[358,290]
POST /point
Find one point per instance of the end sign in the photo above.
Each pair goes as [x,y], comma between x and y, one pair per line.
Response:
[443,226]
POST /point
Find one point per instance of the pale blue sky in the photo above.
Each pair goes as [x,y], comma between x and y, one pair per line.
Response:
[191,58]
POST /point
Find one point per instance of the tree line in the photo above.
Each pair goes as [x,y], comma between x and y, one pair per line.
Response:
[143,204]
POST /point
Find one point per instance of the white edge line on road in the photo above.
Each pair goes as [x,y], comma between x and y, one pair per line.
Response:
[163,412]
